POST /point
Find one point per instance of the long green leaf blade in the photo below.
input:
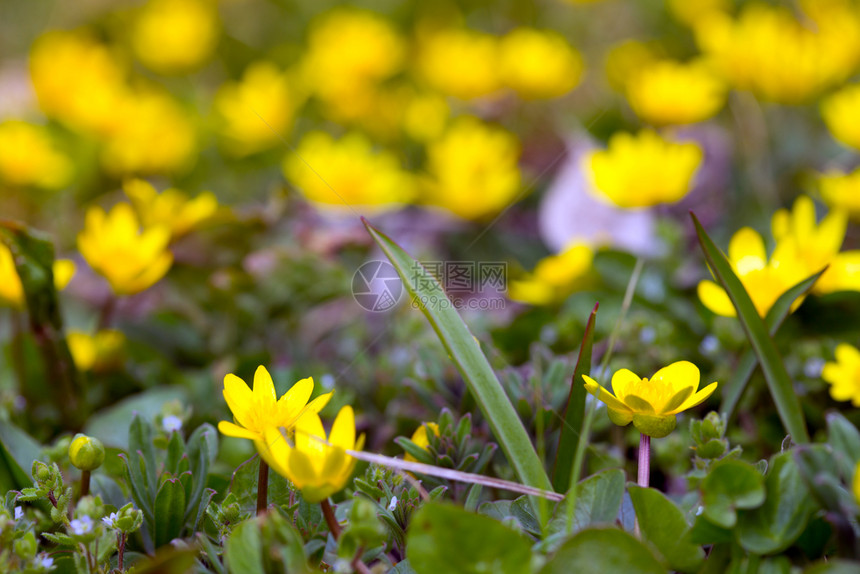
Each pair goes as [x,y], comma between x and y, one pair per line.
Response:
[778,381]
[574,414]
[169,511]
[464,350]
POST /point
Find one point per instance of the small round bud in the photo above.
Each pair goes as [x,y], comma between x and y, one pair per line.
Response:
[86,453]
[41,471]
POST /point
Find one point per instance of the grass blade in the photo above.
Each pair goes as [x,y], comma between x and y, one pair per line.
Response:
[574,414]
[464,350]
[778,381]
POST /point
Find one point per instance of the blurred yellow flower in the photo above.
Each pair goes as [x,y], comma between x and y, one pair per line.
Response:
[28,157]
[425,116]
[257,111]
[473,169]
[11,289]
[78,80]
[175,36]
[841,113]
[690,12]
[538,63]
[317,465]
[651,404]
[554,277]
[260,408]
[347,172]
[97,352]
[116,248]
[643,170]
[419,437]
[349,53]
[844,374]
[460,62]
[764,279]
[155,136]
[171,208]
[841,191]
[670,93]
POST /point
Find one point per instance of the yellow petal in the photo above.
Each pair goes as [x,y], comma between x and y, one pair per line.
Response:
[746,251]
[64,270]
[677,400]
[343,429]
[603,395]
[230,429]
[716,299]
[264,388]
[696,399]
[638,404]
[320,402]
[275,449]
[239,398]
[622,380]
[679,375]
[301,469]
[294,400]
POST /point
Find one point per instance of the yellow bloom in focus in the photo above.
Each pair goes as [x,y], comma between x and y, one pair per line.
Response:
[764,279]
[28,157]
[842,191]
[555,277]
[349,53]
[651,404]
[98,352]
[258,110]
[844,374]
[171,208]
[11,289]
[256,410]
[538,64]
[317,465]
[116,248]
[841,113]
[175,36]
[349,172]
[78,80]
[419,437]
[461,63]
[473,169]
[643,170]
[671,93]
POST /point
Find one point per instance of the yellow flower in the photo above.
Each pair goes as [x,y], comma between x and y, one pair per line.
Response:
[347,172]
[349,53]
[425,116]
[555,277]
[841,191]
[670,93]
[643,170]
[764,279]
[98,352]
[841,113]
[652,404]
[460,63]
[419,437]
[11,289]
[28,157]
[175,36]
[317,465]
[256,410]
[844,374]
[538,64]
[171,208]
[473,169]
[116,248]
[258,110]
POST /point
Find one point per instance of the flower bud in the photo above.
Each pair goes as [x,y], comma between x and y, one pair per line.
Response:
[41,471]
[86,453]
[25,547]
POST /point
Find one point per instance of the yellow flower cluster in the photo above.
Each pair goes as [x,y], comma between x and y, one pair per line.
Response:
[844,374]
[670,93]
[171,208]
[538,64]
[643,170]
[842,191]
[554,277]
[100,351]
[289,435]
[810,58]
[175,36]
[29,157]
[11,289]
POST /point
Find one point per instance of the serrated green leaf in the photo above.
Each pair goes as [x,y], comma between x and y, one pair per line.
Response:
[662,524]
[169,512]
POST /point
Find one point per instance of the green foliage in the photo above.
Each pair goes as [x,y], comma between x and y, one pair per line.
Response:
[603,550]
[664,527]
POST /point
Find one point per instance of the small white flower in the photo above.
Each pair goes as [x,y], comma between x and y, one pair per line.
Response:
[19,513]
[45,561]
[709,345]
[110,521]
[82,525]
[700,510]
[393,504]
[171,423]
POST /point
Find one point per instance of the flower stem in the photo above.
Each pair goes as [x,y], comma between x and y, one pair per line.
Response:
[85,483]
[262,488]
[121,549]
[644,460]
[328,513]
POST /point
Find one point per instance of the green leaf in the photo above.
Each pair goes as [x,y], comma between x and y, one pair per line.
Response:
[663,525]
[109,425]
[175,452]
[18,450]
[778,381]
[466,353]
[781,519]
[140,441]
[734,388]
[169,512]
[845,440]
[134,476]
[445,538]
[574,414]
[603,550]
[731,485]
[243,553]
[599,499]
[204,438]
[243,485]
[831,566]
